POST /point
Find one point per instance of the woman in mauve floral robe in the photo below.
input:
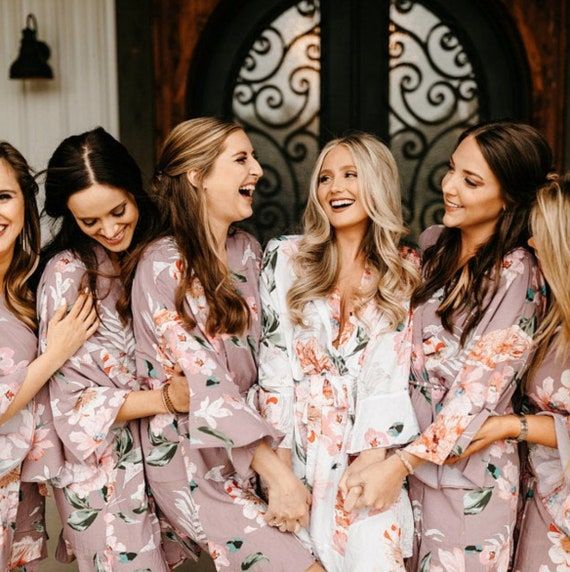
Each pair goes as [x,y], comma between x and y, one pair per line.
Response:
[199,466]
[95,401]
[22,373]
[543,542]
[474,319]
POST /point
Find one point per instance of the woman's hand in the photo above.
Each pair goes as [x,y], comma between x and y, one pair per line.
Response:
[67,333]
[288,502]
[178,391]
[362,461]
[496,428]
[378,485]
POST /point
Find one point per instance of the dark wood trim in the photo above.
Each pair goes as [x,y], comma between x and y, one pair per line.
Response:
[136,80]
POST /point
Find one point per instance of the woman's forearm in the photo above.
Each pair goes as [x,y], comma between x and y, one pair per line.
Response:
[541,430]
[141,404]
[39,372]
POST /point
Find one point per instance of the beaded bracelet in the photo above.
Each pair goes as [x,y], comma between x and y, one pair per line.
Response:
[405,462]
[523,434]
[167,401]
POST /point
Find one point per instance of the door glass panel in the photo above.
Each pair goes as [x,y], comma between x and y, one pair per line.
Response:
[277,99]
[434,95]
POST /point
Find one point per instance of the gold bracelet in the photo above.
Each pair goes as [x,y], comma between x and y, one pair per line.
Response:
[167,401]
[408,466]
[523,434]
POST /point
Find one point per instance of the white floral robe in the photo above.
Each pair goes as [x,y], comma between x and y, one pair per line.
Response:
[544,538]
[22,526]
[466,513]
[95,463]
[198,464]
[332,403]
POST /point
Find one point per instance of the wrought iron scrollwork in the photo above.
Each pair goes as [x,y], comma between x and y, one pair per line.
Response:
[277,99]
[434,95]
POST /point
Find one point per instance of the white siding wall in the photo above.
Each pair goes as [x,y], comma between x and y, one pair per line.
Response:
[35,115]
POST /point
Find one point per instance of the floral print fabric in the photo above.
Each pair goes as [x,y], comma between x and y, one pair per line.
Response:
[198,465]
[22,526]
[466,512]
[334,394]
[96,466]
[544,540]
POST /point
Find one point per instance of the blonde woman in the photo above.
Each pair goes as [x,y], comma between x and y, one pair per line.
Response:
[335,352]
[195,302]
[544,541]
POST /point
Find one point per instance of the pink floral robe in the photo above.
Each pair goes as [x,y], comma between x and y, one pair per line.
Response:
[465,513]
[198,465]
[332,403]
[22,525]
[544,538]
[96,465]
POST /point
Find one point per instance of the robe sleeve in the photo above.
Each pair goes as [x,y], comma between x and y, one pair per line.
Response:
[83,402]
[277,386]
[384,416]
[494,358]
[219,415]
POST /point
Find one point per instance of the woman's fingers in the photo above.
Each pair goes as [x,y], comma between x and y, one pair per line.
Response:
[353,497]
[86,309]
[78,305]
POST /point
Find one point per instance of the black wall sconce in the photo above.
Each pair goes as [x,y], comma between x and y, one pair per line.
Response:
[31,62]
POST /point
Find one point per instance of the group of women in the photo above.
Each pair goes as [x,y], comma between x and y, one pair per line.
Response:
[343,403]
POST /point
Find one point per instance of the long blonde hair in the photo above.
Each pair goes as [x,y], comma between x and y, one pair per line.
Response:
[550,224]
[194,145]
[19,296]
[317,264]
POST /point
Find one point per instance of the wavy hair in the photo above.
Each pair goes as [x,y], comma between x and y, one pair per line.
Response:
[550,226]
[80,161]
[18,293]
[194,145]
[317,262]
[520,158]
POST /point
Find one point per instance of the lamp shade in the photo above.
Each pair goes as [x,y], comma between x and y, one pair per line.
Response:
[32,60]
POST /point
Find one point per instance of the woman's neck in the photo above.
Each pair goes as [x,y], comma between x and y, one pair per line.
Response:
[350,255]
[219,232]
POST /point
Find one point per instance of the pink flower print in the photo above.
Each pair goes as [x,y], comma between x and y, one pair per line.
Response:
[6,361]
[499,346]
[252,303]
[311,357]
[376,438]
[218,554]
[199,362]
[559,552]
[452,560]
[39,444]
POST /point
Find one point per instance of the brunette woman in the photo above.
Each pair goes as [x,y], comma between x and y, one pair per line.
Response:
[475,316]
[195,302]
[22,526]
[94,191]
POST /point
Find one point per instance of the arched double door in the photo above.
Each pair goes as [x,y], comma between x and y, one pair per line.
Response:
[296,73]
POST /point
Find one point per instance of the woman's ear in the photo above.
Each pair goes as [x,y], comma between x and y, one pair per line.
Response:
[193,177]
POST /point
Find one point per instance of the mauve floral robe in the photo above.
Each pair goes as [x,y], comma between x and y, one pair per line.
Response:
[332,403]
[198,465]
[96,467]
[466,513]
[22,526]
[544,538]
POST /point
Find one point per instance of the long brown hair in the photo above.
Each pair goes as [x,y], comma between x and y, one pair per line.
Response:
[194,145]
[550,226]
[520,158]
[18,294]
[316,261]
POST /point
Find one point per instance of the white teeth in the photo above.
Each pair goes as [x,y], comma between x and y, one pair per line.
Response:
[247,190]
[339,203]
[450,204]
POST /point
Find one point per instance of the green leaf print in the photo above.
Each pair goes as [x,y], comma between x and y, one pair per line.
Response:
[212,381]
[151,372]
[74,499]
[473,548]
[362,339]
[475,501]
[125,557]
[253,559]
[218,435]
[239,277]
[80,520]
[237,341]
[162,454]
[396,429]
[234,544]
[425,563]
[494,470]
